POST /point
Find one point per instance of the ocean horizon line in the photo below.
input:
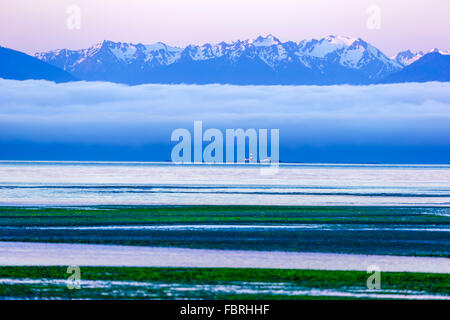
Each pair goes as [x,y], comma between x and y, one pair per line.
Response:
[281,163]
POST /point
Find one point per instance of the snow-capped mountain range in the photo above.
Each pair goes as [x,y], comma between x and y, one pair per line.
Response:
[264,60]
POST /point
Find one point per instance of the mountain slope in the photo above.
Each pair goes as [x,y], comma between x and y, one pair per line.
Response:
[433,66]
[264,60]
[20,66]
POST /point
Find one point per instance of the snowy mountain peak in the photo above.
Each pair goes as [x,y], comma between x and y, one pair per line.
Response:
[339,40]
[353,53]
[443,52]
[267,41]
[321,48]
[405,58]
[161,46]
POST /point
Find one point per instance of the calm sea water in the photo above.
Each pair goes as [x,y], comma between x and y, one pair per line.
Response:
[96,183]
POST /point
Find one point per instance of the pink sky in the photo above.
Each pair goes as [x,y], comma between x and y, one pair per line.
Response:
[40,25]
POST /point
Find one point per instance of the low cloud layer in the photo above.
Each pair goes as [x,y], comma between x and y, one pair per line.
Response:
[403,115]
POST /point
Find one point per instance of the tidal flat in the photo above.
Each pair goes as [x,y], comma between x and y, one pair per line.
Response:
[32,282]
[318,233]
[404,231]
